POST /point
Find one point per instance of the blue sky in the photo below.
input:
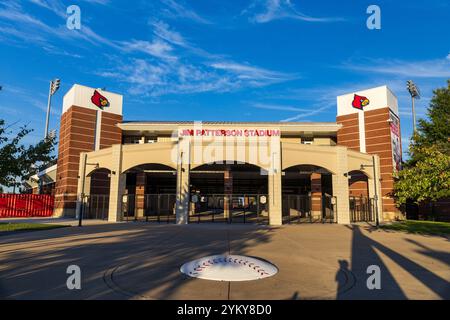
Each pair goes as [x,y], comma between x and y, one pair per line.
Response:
[246,60]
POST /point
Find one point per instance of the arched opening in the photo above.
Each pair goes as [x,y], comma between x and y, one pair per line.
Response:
[307,194]
[97,196]
[150,193]
[229,192]
[361,205]
[358,184]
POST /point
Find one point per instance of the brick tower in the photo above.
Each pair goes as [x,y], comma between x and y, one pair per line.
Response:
[371,125]
[88,123]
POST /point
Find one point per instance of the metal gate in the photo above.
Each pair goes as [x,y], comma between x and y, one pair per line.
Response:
[298,209]
[362,209]
[96,207]
[158,208]
[233,208]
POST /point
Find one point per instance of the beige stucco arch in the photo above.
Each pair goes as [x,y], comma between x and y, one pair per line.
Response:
[240,152]
[102,159]
[297,154]
[139,154]
[356,159]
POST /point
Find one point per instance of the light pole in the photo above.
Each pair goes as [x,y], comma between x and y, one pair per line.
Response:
[54,86]
[415,93]
[375,197]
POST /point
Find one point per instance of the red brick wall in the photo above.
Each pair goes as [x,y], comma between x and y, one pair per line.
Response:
[111,134]
[349,134]
[358,184]
[378,141]
[77,134]
[100,181]
[316,192]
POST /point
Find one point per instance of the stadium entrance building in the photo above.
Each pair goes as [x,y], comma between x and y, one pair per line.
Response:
[192,172]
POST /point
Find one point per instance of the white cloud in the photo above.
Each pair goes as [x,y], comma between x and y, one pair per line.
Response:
[307,114]
[171,64]
[173,9]
[251,73]
[178,77]
[280,107]
[163,31]
[156,48]
[53,5]
[26,28]
[263,11]
[437,68]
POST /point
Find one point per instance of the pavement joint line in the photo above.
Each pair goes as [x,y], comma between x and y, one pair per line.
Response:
[109,273]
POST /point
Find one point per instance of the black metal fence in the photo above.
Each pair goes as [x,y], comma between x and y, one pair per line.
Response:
[362,209]
[233,208]
[299,209]
[158,208]
[96,207]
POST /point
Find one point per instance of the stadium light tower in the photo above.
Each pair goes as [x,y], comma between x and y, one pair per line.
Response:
[415,93]
[54,86]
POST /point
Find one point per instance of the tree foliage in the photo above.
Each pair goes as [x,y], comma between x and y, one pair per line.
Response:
[427,180]
[426,176]
[19,161]
[434,131]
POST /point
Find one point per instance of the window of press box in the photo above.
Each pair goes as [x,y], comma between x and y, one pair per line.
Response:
[139,139]
[307,140]
[131,139]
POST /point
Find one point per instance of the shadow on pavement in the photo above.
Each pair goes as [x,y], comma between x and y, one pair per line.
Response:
[364,255]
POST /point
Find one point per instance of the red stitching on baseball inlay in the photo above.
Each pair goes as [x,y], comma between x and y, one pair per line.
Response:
[214,261]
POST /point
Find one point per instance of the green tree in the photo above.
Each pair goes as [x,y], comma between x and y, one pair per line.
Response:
[427,180]
[434,131]
[426,176]
[19,161]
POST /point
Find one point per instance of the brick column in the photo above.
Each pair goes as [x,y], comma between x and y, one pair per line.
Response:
[372,130]
[316,196]
[85,127]
[77,134]
[141,181]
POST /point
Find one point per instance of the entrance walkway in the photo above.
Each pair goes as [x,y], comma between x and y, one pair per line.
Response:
[142,261]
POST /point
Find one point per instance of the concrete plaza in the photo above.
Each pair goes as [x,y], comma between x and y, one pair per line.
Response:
[142,261]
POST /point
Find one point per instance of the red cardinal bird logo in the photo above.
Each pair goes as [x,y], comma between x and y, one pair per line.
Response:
[99,100]
[359,102]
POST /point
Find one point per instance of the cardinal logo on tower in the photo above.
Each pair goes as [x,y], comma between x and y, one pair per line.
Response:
[359,102]
[99,100]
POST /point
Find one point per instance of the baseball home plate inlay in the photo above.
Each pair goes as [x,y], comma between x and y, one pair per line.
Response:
[229,268]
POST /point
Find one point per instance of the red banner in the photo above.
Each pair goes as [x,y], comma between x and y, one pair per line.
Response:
[26,205]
